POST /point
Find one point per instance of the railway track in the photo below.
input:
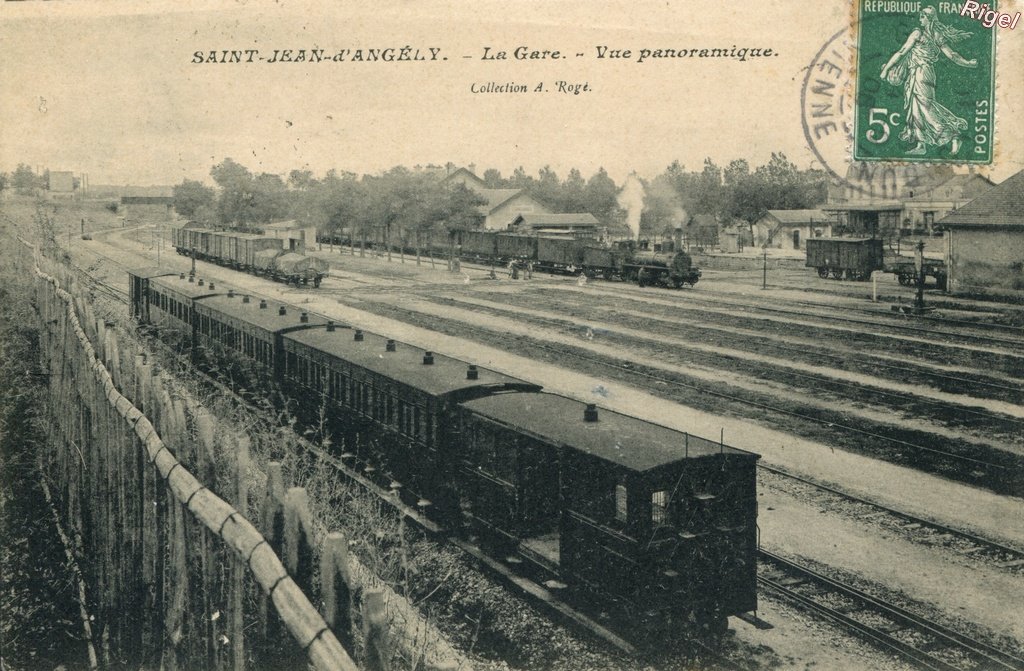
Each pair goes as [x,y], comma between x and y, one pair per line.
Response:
[836,315]
[815,380]
[924,642]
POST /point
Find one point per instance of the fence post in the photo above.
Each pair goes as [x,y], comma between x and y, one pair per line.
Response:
[237,626]
[336,589]
[374,620]
[298,538]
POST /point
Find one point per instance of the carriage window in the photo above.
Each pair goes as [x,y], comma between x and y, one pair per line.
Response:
[659,507]
[620,503]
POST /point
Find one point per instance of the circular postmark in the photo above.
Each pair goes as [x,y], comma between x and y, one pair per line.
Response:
[826,104]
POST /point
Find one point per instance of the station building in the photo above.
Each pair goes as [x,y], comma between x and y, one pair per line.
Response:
[985,241]
[502,206]
[884,200]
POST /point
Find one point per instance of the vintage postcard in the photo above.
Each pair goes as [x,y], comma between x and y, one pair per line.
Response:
[512,335]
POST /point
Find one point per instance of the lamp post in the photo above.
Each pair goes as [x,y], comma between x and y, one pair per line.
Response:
[764,268]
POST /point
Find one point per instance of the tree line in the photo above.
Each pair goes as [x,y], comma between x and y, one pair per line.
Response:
[408,203]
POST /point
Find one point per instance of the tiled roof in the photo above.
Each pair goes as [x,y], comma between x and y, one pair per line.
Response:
[799,216]
[1002,205]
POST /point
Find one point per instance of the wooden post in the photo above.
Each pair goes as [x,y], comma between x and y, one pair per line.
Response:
[298,538]
[336,588]
[375,656]
[238,568]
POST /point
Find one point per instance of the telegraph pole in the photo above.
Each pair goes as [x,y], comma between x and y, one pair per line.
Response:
[764,270]
[919,266]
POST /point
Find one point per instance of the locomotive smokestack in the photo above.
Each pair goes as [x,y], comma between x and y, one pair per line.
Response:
[428,358]
[358,335]
[590,413]
[390,347]
[472,373]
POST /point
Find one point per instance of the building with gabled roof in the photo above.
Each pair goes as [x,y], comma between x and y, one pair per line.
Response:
[789,229]
[502,206]
[985,241]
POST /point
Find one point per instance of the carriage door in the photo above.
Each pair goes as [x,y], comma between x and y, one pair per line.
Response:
[796,238]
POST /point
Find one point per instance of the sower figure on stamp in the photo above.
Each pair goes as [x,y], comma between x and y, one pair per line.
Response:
[927,121]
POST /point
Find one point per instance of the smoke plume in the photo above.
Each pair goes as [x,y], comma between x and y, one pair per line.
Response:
[631,199]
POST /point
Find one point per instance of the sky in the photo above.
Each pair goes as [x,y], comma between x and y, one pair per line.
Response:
[110,89]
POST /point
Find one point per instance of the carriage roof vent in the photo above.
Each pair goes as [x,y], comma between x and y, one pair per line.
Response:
[428,358]
[191,278]
[358,335]
[590,413]
[245,298]
[181,276]
[304,318]
[330,326]
[472,373]
[212,286]
[282,311]
[231,293]
[263,304]
[390,347]
[201,281]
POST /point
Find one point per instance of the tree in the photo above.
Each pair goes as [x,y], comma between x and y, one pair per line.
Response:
[600,198]
[235,182]
[191,196]
[24,181]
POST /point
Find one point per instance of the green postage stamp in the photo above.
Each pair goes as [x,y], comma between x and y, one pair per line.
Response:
[925,82]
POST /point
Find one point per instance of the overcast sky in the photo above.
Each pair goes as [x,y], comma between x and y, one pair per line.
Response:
[110,89]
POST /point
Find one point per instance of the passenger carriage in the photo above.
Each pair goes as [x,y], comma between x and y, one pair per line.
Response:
[657,523]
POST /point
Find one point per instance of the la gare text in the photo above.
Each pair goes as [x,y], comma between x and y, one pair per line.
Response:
[488,53]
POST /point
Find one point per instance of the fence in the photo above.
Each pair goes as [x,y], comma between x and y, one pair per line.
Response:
[175,575]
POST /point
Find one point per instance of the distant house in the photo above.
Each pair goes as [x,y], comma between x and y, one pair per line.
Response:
[788,229]
[502,206]
[985,241]
[577,225]
[62,184]
[877,199]
[702,230]
[295,236]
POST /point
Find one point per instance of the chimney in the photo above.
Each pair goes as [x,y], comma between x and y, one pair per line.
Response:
[428,358]
[263,304]
[472,373]
[281,311]
[358,337]
[304,318]
[245,298]
[590,414]
[330,326]
[390,347]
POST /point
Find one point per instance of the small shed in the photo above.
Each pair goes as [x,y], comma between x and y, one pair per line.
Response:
[789,229]
[294,235]
[985,241]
